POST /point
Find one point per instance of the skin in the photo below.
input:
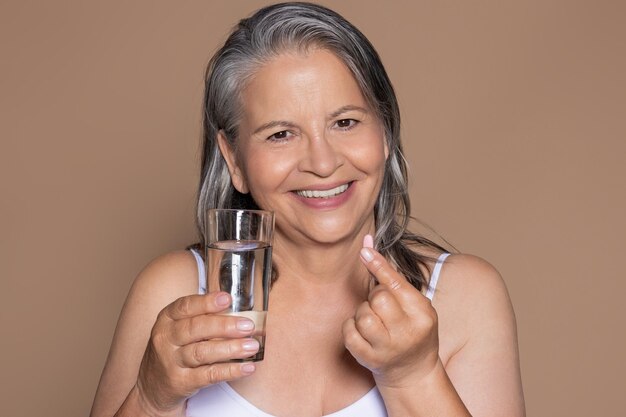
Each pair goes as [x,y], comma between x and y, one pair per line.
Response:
[331,335]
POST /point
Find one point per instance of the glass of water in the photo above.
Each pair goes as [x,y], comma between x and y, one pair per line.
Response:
[238,256]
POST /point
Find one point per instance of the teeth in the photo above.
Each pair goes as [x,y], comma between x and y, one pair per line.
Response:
[323,193]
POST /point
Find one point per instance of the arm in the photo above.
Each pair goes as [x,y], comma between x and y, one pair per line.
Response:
[164,280]
[485,370]
[164,351]
[395,334]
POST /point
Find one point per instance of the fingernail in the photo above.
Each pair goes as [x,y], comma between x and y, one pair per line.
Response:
[367,255]
[245,325]
[248,368]
[251,345]
[368,241]
[222,300]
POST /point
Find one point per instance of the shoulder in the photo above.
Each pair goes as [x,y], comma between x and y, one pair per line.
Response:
[472,276]
[471,297]
[478,336]
[167,277]
[162,281]
[160,268]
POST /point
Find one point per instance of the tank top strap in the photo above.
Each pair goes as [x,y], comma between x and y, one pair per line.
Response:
[201,273]
[430,292]
[434,277]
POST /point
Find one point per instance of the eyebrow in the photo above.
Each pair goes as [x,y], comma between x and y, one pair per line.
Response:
[345,109]
[273,124]
[291,125]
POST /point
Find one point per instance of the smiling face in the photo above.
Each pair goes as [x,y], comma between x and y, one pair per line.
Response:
[309,148]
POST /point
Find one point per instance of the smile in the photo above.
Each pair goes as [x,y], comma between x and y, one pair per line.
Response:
[323,193]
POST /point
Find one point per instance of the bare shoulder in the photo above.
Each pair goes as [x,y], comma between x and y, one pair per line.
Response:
[471,296]
[167,277]
[478,336]
[471,282]
[161,282]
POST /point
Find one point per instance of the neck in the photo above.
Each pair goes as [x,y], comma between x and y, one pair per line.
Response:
[312,267]
[320,285]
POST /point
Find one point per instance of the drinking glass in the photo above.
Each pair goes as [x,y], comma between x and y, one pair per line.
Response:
[238,256]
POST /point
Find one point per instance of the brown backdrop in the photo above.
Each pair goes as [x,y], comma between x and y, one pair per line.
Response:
[515,130]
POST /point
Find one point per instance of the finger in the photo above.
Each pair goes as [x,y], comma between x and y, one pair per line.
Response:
[219,372]
[210,326]
[370,326]
[214,351]
[368,242]
[193,305]
[356,344]
[378,266]
[386,306]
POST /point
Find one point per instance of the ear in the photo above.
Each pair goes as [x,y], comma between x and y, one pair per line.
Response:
[236,174]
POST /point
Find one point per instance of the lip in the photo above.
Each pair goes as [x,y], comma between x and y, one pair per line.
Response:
[327,203]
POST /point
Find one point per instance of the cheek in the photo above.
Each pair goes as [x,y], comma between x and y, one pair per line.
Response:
[266,172]
[369,154]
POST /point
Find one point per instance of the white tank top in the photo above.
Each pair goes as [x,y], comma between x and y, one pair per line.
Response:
[221,400]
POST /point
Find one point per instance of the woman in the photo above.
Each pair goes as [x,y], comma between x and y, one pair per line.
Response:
[301,119]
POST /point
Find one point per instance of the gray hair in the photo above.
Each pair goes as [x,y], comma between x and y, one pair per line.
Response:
[299,26]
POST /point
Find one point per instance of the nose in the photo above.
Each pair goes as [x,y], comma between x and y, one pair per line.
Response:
[320,157]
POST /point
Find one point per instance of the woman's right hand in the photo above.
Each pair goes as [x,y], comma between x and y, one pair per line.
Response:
[189,348]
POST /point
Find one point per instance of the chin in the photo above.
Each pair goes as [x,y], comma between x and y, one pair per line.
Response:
[330,232]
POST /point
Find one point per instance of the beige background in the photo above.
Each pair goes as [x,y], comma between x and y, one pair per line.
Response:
[514,122]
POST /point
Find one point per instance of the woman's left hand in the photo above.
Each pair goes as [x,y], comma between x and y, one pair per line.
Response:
[394,332]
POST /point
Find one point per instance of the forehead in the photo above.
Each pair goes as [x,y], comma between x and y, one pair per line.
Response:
[295,82]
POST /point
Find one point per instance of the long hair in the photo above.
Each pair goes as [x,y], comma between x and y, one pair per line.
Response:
[299,26]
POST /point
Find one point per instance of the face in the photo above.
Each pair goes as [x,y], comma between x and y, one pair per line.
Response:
[309,148]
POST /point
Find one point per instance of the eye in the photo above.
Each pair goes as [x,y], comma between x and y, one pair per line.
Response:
[280,136]
[346,124]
